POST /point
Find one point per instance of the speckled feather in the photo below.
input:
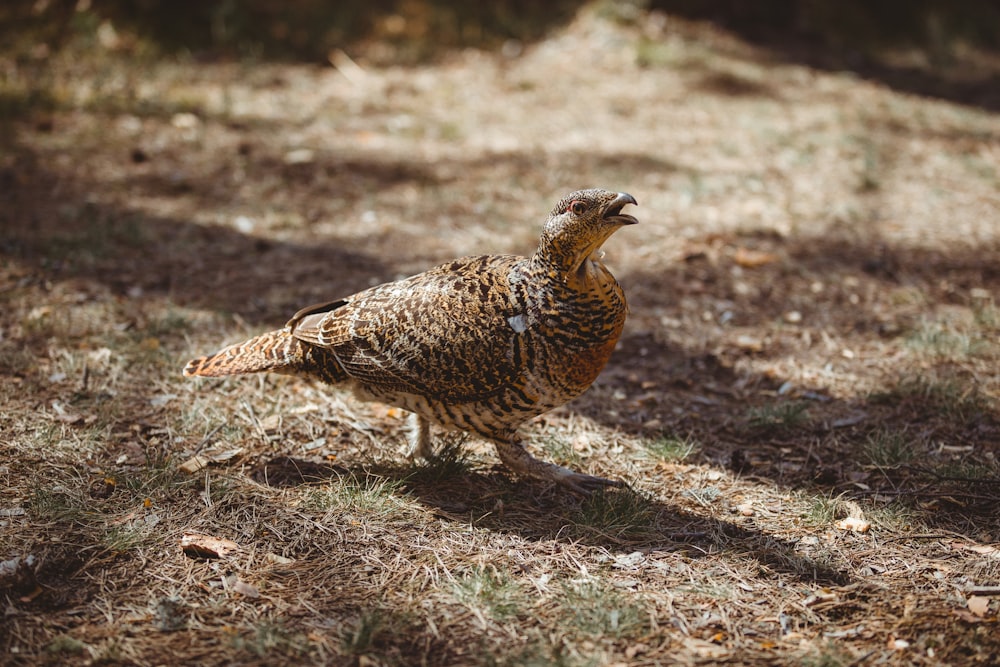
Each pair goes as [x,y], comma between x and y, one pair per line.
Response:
[480,344]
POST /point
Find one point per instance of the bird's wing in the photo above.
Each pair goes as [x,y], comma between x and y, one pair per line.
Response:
[450,332]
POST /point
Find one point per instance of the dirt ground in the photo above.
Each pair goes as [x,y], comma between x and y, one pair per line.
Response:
[805,403]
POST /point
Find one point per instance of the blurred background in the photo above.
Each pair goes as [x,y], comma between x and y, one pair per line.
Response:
[936,47]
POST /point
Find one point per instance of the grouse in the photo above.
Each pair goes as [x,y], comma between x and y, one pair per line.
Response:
[480,344]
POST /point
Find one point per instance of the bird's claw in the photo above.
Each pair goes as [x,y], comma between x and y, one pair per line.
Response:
[585,485]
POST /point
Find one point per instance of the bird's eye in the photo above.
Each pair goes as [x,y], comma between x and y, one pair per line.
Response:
[577,207]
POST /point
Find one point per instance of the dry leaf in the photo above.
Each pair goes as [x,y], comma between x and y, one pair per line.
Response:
[160,400]
[206,546]
[18,572]
[245,589]
[978,605]
[278,559]
[856,418]
[38,590]
[853,524]
[220,455]
[751,259]
[749,343]
[194,464]
[823,595]
[705,649]
[66,415]
[300,156]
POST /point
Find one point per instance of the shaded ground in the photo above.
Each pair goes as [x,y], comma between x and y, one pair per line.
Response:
[813,337]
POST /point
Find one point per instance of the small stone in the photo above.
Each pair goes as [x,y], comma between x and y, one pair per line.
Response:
[300,156]
[244,224]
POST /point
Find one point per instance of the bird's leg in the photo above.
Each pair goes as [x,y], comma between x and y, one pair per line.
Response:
[516,457]
[420,438]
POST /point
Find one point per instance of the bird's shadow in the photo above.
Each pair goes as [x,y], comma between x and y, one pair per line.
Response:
[620,521]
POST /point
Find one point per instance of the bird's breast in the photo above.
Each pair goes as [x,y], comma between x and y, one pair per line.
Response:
[585,365]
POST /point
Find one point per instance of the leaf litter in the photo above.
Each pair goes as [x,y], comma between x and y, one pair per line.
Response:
[813,320]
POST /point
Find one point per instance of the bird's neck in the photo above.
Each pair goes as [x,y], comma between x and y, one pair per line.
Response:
[574,274]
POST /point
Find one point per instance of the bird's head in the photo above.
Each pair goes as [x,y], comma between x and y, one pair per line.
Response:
[579,224]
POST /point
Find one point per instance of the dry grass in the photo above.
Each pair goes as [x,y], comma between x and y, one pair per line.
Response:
[814,336]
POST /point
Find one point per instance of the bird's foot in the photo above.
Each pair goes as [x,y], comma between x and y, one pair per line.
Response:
[517,458]
[581,483]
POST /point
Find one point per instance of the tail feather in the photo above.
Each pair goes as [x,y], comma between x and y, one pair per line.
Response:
[276,351]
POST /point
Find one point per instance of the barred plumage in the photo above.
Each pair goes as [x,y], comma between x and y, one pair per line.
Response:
[480,344]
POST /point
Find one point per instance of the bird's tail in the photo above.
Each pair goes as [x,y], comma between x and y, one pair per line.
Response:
[275,351]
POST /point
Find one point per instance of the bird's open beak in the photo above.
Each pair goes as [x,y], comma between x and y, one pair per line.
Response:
[614,210]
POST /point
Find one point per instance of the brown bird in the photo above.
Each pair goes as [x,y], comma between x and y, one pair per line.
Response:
[480,344]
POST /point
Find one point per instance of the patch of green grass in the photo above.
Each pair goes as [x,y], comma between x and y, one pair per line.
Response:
[18,102]
[361,637]
[870,178]
[824,510]
[168,322]
[624,12]
[654,53]
[908,296]
[889,448]
[986,315]
[125,538]
[592,607]
[51,503]
[946,342]
[451,132]
[830,655]
[672,449]
[90,234]
[704,496]
[545,650]
[896,517]
[967,470]
[147,350]
[157,478]
[109,652]
[492,592]
[977,166]
[690,56]
[449,461]
[953,399]
[561,451]
[269,639]
[16,359]
[716,591]
[165,106]
[66,645]
[368,494]
[617,514]
[782,415]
